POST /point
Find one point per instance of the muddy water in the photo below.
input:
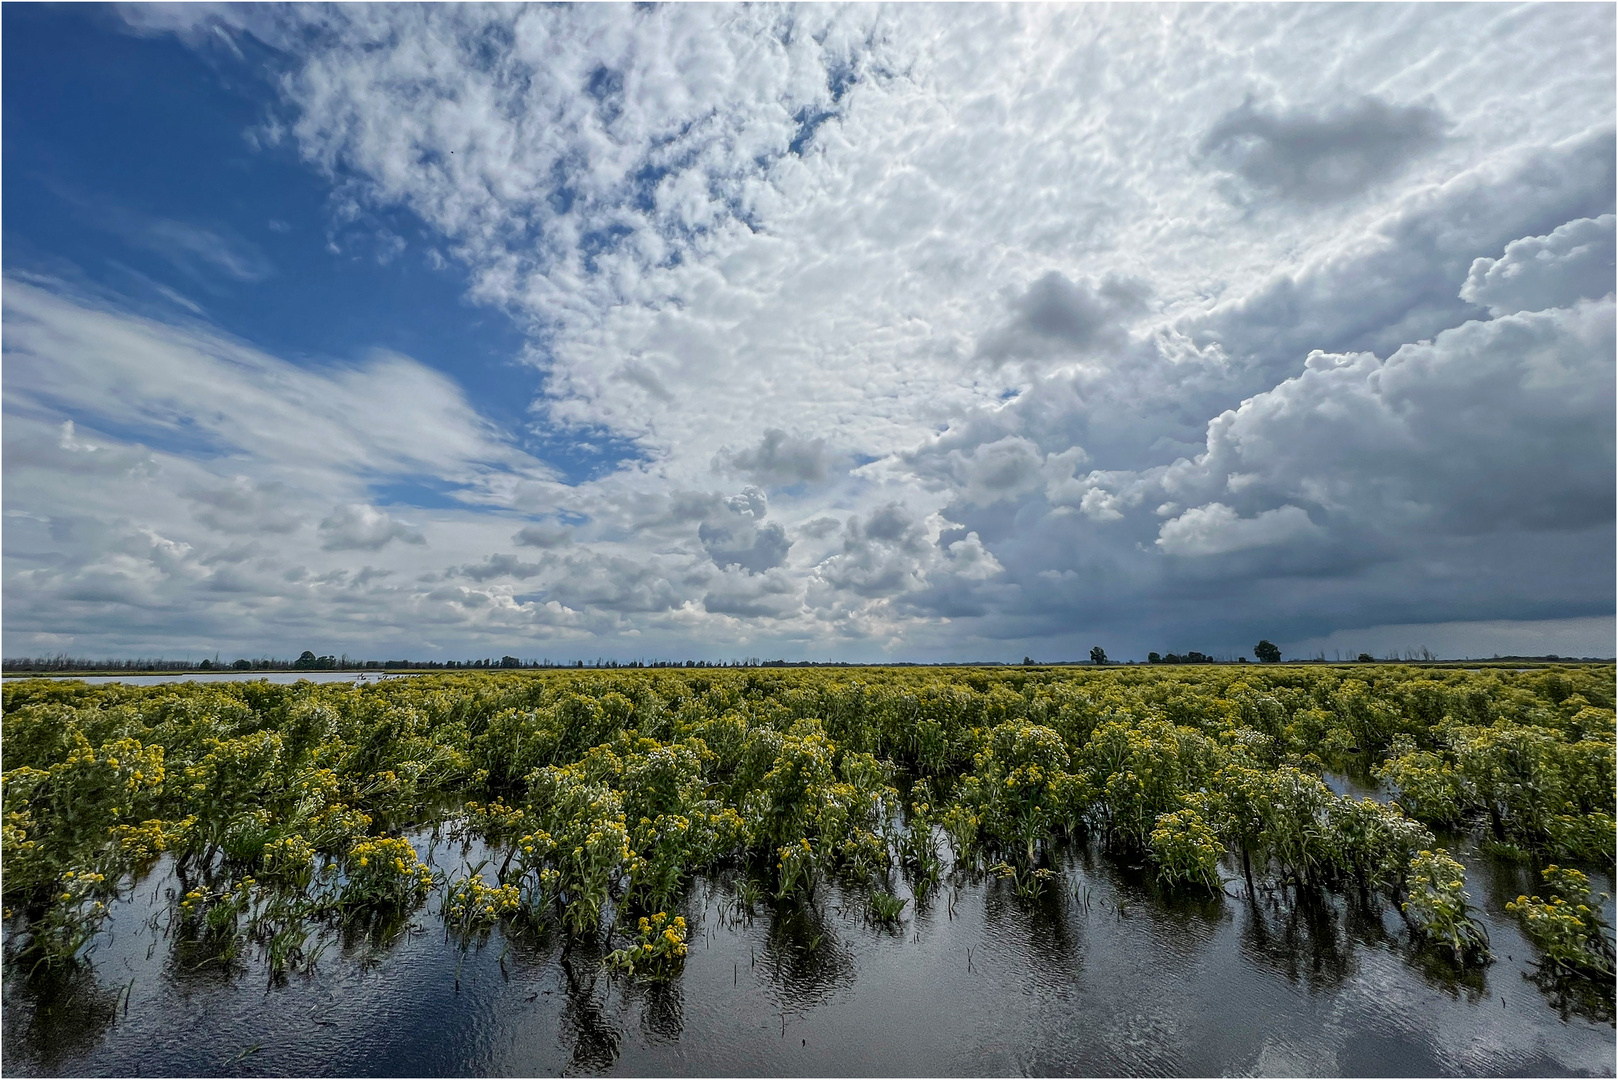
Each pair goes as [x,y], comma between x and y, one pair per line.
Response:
[1102,976]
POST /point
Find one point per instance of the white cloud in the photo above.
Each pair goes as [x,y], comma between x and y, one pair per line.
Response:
[776,244]
[1575,262]
[1216,529]
[365,528]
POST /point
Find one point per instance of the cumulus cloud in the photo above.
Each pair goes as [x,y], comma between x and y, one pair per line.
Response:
[1321,156]
[1395,281]
[1062,319]
[740,537]
[543,536]
[1574,262]
[882,555]
[779,459]
[1216,529]
[361,527]
[771,595]
[590,580]
[1490,427]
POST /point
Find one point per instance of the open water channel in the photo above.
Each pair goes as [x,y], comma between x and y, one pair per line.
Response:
[1102,976]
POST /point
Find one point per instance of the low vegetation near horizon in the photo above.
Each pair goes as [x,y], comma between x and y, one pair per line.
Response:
[284,809]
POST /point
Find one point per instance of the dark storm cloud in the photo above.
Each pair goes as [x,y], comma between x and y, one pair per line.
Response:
[1320,157]
[1402,282]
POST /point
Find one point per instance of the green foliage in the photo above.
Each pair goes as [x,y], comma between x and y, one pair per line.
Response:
[472,902]
[1186,850]
[1437,907]
[599,792]
[885,907]
[658,950]
[1568,926]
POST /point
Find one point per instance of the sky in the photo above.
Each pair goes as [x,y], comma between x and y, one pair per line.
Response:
[921,333]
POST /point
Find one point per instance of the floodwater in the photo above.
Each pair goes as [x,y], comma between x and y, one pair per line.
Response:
[1101,976]
[360,678]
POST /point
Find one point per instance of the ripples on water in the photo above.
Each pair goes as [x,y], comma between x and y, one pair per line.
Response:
[1100,976]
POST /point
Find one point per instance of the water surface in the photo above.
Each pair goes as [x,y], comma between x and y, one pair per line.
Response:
[1103,976]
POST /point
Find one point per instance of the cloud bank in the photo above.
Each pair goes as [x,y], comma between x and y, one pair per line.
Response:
[922,333]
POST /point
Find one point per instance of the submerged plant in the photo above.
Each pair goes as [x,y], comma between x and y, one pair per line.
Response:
[471,902]
[1186,850]
[658,950]
[1568,926]
[1437,907]
[597,793]
[385,873]
[885,907]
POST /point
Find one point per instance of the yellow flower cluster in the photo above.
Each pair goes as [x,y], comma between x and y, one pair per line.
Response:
[658,951]
[472,901]
[385,870]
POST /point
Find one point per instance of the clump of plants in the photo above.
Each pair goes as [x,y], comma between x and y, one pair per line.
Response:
[657,950]
[1186,850]
[472,903]
[1567,925]
[1437,907]
[384,872]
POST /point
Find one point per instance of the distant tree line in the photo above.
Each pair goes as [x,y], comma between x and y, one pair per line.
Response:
[1265,651]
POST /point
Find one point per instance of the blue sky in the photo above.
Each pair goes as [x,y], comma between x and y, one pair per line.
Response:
[913,333]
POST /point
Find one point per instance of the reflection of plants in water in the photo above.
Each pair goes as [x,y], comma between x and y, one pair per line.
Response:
[803,955]
[1299,936]
[1571,996]
[662,1009]
[67,1012]
[595,1037]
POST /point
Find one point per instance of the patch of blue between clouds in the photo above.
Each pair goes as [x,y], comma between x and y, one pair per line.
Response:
[579,455]
[422,493]
[110,147]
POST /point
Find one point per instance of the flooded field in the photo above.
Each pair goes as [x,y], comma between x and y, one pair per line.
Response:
[277,678]
[1101,976]
[1052,872]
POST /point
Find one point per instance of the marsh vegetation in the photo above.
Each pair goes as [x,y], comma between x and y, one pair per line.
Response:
[611,821]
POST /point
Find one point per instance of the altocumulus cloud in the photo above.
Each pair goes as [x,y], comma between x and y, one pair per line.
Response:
[924,333]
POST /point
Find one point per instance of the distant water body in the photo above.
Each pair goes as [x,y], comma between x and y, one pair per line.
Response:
[283,677]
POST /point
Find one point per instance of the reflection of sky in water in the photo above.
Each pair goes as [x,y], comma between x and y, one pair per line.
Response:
[1099,977]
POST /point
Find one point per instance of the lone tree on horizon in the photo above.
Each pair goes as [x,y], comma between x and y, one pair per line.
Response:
[1098,655]
[1267,652]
